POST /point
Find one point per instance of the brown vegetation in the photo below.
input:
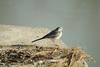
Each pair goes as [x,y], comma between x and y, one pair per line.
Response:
[42,56]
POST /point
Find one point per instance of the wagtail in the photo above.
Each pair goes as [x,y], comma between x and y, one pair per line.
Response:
[54,34]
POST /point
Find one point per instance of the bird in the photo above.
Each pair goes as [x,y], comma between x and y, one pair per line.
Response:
[54,34]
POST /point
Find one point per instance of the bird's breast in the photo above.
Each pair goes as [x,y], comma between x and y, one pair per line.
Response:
[59,35]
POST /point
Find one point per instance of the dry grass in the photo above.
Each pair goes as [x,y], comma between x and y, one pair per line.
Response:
[42,56]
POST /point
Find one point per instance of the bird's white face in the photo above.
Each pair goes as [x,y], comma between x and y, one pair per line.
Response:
[59,34]
[60,29]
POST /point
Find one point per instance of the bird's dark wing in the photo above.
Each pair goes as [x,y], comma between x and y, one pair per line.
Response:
[51,34]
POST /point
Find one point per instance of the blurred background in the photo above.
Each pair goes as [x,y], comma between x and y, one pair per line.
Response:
[79,18]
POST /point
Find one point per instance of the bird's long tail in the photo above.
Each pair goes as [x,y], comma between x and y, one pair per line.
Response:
[37,40]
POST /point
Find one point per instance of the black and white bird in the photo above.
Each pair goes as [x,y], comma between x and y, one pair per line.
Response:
[54,34]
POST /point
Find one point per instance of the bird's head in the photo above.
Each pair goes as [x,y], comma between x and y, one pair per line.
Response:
[59,28]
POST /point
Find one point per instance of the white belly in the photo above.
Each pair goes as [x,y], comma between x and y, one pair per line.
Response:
[59,35]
